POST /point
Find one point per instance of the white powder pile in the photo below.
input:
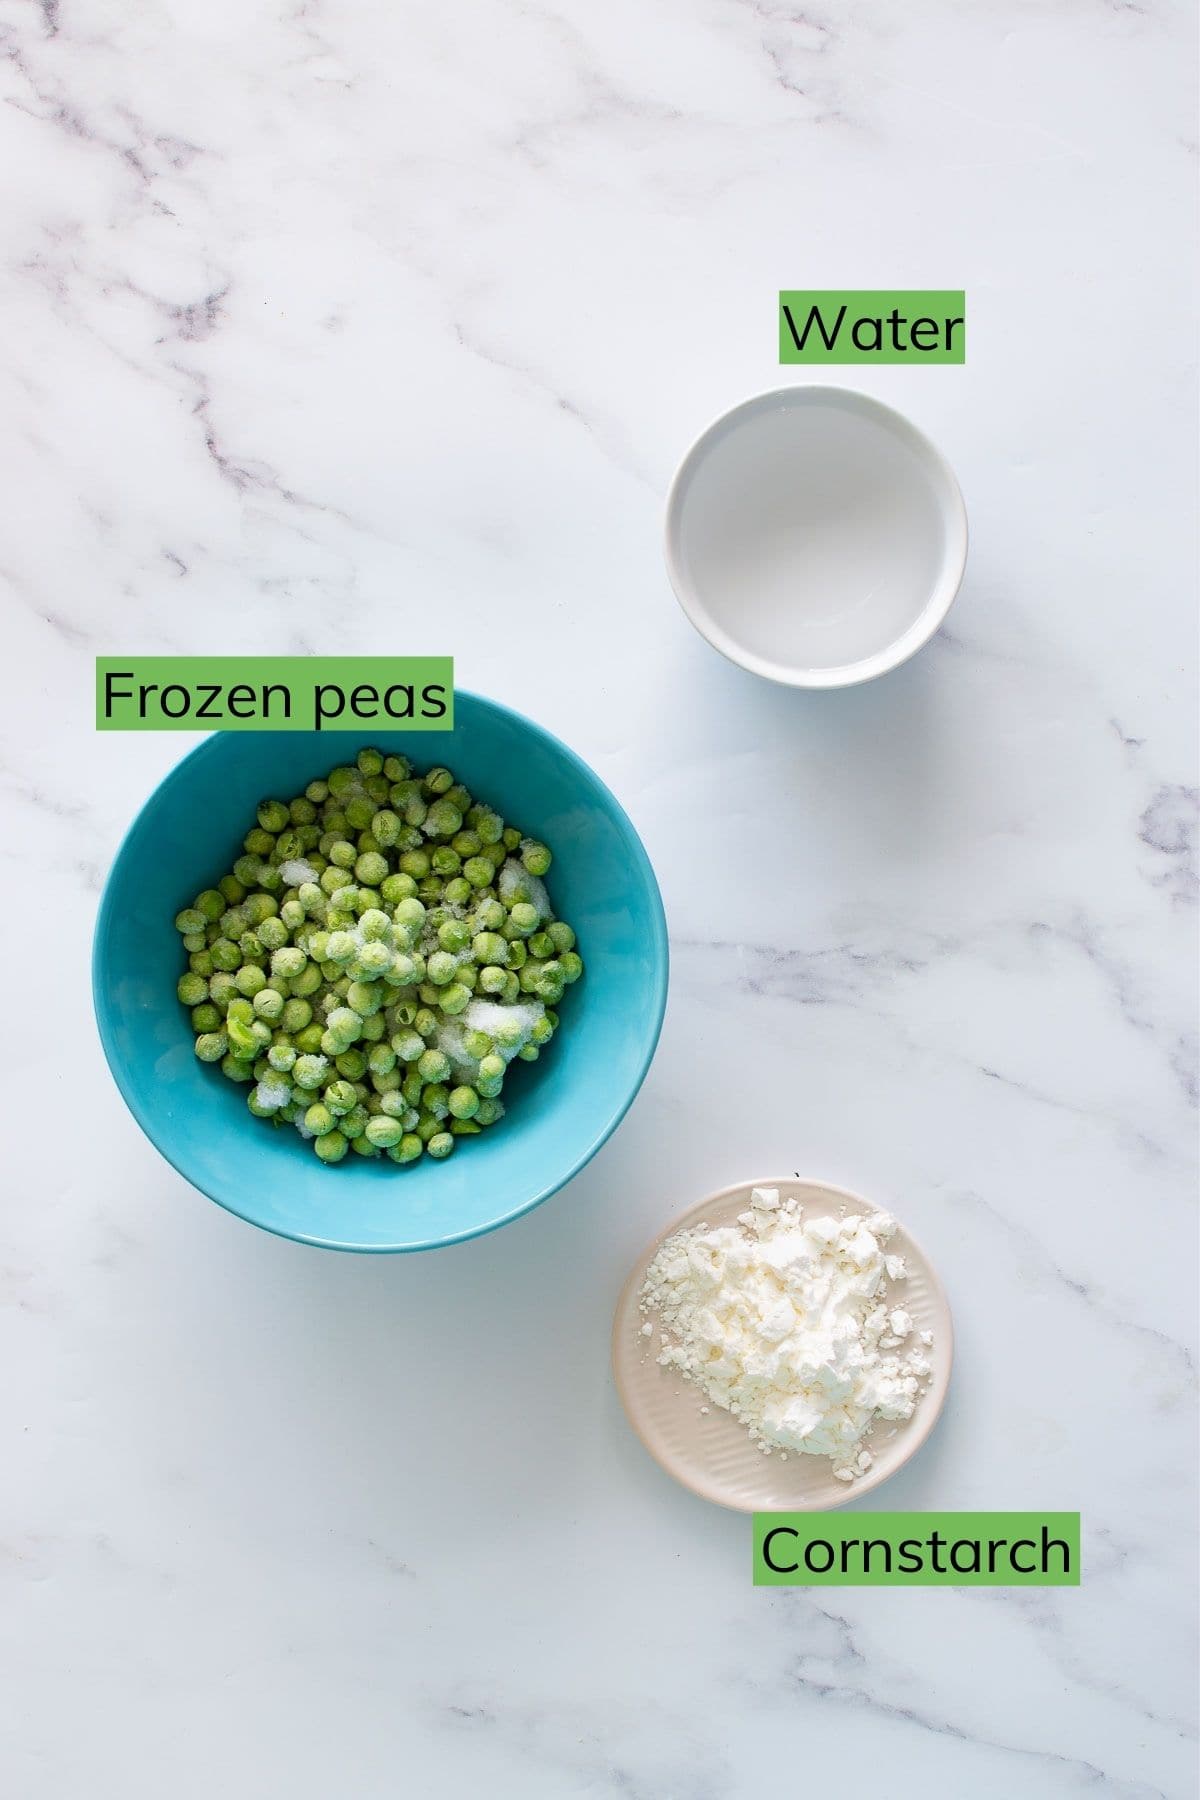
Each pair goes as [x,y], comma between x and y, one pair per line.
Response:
[786,1322]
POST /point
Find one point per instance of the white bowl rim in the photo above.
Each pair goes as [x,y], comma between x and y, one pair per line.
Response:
[943,482]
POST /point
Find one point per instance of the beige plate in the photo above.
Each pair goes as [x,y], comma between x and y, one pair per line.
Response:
[712,1453]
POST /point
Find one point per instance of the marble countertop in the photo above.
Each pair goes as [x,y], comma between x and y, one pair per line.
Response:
[380,327]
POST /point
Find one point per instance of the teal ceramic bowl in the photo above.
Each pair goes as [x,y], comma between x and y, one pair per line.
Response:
[561,1108]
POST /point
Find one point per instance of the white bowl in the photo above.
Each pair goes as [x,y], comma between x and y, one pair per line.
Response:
[710,1451]
[815,537]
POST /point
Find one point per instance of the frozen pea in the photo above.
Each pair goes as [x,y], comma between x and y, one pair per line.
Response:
[409,1045]
[340,1097]
[457,891]
[344,1022]
[250,979]
[523,918]
[509,1032]
[492,980]
[541,1031]
[444,861]
[541,945]
[433,1065]
[291,918]
[408,1150]
[383,1131]
[259,907]
[273,933]
[535,858]
[352,1064]
[409,913]
[190,920]
[382,1059]
[438,780]
[372,961]
[282,1057]
[194,942]
[288,962]
[441,968]
[571,965]
[331,1146]
[453,935]
[191,989]
[211,1046]
[529,1053]
[561,935]
[397,888]
[221,989]
[511,839]
[309,1071]
[489,947]
[205,1017]
[490,1111]
[442,820]
[463,1102]
[308,1041]
[354,1123]
[296,1015]
[318,1119]
[236,1068]
[478,871]
[369,761]
[365,997]
[269,1003]
[440,1145]
[371,868]
[455,998]
[200,963]
[342,947]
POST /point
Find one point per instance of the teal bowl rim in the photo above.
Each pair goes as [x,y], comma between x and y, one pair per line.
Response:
[662,966]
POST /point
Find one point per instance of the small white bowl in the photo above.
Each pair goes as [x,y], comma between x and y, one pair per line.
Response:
[815,536]
[710,1451]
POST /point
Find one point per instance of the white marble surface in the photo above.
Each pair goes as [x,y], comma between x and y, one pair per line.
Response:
[357,326]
